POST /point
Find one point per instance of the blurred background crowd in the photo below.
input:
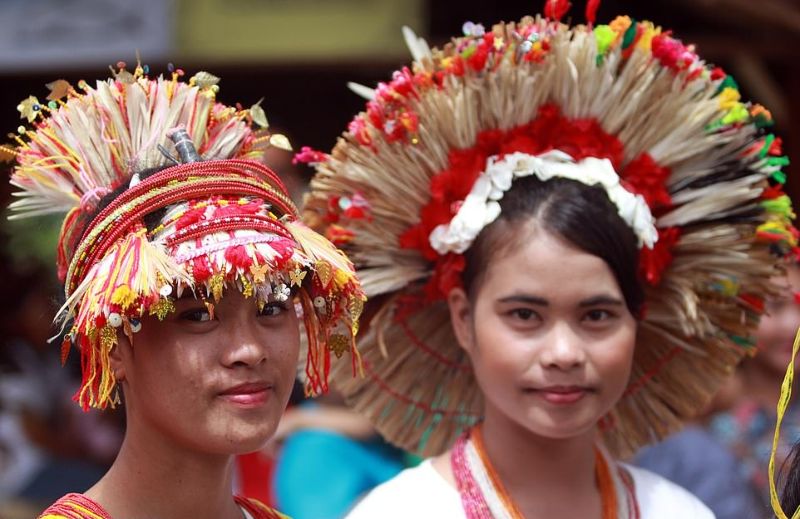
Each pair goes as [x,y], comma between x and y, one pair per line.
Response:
[298,55]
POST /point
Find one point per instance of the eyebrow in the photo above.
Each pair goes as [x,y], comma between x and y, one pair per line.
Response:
[530,300]
[600,301]
[540,301]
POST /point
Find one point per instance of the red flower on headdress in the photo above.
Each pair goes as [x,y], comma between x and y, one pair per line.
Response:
[234,208]
[754,301]
[201,269]
[653,262]
[190,217]
[556,9]
[591,11]
[550,130]
[308,155]
[477,59]
[776,147]
[644,177]
[403,84]
[358,128]
[339,235]
[446,276]
[238,257]
[672,53]
[772,192]
[354,207]
[718,73]
[285,249]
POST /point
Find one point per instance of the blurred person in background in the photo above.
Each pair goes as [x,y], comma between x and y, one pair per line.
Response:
[724,457]
[50,447]
[747,426]
[326,450]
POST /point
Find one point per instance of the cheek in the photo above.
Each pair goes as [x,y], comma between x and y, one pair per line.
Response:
[284,351]
[174,373]
[498,352]
[613,359]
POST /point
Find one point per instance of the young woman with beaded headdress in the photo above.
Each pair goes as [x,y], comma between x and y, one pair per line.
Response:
[567,232]
[188,279]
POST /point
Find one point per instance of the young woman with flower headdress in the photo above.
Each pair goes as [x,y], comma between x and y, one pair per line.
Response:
[567,232]
[187,277]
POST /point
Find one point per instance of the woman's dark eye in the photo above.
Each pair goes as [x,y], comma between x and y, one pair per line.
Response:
[198,315]
[597,315]
[525,314]
[273,309]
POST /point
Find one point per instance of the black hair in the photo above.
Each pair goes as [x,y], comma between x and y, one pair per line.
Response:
[581,215]
[790,499]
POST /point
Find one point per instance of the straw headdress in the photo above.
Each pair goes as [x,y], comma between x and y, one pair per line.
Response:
[222,218]
[675,130]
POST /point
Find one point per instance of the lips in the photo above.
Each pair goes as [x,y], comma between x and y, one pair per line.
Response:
[561,395]
[250,394]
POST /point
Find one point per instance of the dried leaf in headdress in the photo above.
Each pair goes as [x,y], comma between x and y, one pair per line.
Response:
[7,153]
[204,79]
[29,108]
[280,141]
[58,89]
[258,115]
[123,76]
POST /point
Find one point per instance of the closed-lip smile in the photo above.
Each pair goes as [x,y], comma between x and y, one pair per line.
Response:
[561,394]
[248,394]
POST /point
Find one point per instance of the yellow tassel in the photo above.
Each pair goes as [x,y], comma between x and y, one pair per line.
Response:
[316,382]
[783,403]
[133,269]
[123,296]
[317,248]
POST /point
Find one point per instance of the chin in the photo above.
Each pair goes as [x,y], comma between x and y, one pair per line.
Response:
[242,436]
[561,429]
[250,445]
[241,442]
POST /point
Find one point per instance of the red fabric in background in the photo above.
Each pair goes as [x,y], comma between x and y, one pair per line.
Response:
[255,472]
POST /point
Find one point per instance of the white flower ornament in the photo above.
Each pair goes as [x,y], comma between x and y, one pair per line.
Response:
[481,206]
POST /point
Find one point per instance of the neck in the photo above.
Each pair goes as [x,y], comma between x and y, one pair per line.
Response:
[156,477]
[545,477]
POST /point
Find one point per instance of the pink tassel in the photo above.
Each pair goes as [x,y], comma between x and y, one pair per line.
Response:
[556,9]
[591,11]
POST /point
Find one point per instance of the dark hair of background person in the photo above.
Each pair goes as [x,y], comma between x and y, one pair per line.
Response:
[790,499]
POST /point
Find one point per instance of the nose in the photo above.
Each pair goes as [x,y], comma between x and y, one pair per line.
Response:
[563,348]
[245,346]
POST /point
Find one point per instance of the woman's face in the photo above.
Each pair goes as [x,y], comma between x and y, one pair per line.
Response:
[216,385]
[779,324]
[549,336]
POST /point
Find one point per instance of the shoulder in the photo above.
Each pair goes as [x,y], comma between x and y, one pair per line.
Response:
[75,506]
[420,492]
[257,509]
[659,498]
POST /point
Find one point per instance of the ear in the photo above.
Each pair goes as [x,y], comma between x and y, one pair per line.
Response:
[461,317]
[118,356]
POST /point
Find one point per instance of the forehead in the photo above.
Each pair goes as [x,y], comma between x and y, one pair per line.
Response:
[549,267]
